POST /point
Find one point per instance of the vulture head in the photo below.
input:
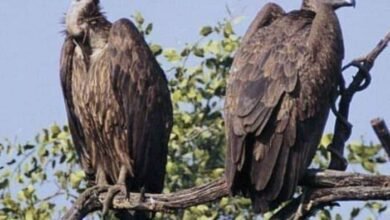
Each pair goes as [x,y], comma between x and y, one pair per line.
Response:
[79,15]
[335,4]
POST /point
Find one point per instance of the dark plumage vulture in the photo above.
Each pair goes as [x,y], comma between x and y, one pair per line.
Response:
[117,100]
[279,94]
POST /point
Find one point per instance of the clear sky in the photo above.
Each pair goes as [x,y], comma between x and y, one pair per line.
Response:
[30,42]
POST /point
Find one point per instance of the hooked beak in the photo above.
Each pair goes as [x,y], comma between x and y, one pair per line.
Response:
[343,3]
[351,3]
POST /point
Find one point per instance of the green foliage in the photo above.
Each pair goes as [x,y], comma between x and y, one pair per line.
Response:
[39,178]
[37,175]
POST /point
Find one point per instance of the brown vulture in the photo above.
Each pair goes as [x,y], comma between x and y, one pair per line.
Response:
[117,100]
[279,94]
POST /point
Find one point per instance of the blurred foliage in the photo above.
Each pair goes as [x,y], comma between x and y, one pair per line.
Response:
[39,179]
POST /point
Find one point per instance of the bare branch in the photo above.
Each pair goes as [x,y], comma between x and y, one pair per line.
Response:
[325,188]
[342,130]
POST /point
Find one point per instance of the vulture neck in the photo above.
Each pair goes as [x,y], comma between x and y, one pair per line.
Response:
[325,26]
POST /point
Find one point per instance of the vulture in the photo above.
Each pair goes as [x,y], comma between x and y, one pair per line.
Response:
[283,79]
[117,100]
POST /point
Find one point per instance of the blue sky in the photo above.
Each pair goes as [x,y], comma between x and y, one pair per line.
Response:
[30,42]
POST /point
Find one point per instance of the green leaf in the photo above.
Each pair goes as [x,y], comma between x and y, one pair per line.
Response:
[326,140]
[139,19]
[185,52]
[55,130]
[149,29]
[156,49]
[206,30]
[369,166]
[228,29]
[355,212]
[199,52]
[29,214]
[4,184]
[176,96]
[28,147]
[171,55]
[76,178]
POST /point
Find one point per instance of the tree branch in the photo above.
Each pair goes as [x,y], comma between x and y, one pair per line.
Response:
[92,199]
[360,82]
[325,187]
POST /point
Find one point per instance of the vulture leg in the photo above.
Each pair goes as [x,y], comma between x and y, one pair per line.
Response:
[113,190]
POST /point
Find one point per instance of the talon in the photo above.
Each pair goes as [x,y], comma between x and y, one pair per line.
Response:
[112,192]
[115,189]
[142,197]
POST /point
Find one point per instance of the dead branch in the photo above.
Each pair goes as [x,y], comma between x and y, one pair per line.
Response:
[360,82]
[382,132]
[325,188]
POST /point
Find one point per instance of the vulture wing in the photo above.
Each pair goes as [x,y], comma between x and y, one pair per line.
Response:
[140,88]
[70,66]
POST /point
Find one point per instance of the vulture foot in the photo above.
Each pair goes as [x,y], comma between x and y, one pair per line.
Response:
[119,187]
[142,197]
[111,193]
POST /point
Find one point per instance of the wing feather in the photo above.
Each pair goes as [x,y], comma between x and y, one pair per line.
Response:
[69,65]
[246,61]
[140,86]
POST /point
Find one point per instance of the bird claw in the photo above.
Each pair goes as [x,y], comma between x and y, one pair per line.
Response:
[142,197]
[111,193]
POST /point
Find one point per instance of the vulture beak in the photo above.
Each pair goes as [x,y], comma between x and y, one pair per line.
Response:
[343,3]
[351,3]
[348,3]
